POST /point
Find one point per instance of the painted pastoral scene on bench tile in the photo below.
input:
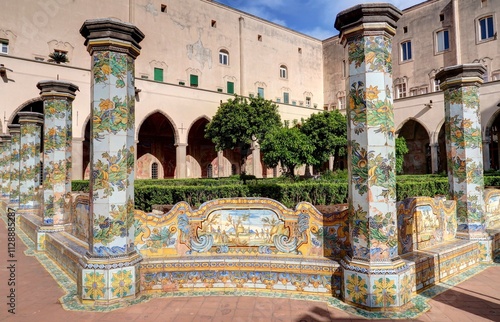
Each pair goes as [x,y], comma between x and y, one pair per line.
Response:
[243,227]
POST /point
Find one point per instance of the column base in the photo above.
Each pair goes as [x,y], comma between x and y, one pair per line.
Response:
[105,281]
[377,287]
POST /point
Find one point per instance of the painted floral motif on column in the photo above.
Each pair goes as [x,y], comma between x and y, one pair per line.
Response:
[384,290]
[357,289]
[6,157]
[57,158]
[121,283]
[113,154]
[14,169]
[94,284]
[465,156]
[29,172]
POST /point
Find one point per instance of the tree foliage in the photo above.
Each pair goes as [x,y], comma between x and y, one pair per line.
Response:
[401,150]
[288,146]
[327,132]
[239,119]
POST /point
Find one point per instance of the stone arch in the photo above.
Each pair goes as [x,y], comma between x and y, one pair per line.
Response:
[86,146]
[37,101]
[174,126]
[200,151]
[492,138]
[144,164]
[156,135]
[418,159]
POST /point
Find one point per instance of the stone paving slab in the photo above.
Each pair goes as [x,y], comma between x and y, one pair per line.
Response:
[39,297]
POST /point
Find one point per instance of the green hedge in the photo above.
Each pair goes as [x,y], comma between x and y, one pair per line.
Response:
[288,192]
[146,196]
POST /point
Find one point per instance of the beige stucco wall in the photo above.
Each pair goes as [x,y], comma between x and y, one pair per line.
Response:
[183,41]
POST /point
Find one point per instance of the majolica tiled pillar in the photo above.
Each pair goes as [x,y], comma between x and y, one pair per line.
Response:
[464,148]
[15,147]
[374,276]
[57,103]
[6,158]
[3,164]
[29,176]
[110,272]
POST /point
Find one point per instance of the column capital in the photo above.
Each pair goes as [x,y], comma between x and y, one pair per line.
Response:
[14,129]
[461,75]
[30,117]
[111,34]
[54,89]
[367,19]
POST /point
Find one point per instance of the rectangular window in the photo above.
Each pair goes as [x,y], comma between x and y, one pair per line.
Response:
[230,87]
[286,98]
[163,8]
[406,51]
[223,58]
[260,92]
[193,80]
[486,28]
[278,100]
[4,46]
[158,74]
[401,90]
[308,102]
[341,103]
[443,40]
[436,85]
[413,92]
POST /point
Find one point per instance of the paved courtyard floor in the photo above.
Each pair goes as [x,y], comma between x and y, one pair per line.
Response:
[38,297]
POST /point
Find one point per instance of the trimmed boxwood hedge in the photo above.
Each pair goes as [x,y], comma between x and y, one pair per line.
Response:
[288,192]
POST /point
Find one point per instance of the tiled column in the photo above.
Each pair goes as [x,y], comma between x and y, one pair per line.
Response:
[6,160]
[4,166]
[180,161]
[29,173]
[110,271]
[15,147]
[464,145]
[374,275]
[57,104]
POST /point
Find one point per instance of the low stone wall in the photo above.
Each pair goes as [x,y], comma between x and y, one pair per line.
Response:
[242,243]
[427,230]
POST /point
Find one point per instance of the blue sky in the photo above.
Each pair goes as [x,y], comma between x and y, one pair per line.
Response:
[311,17]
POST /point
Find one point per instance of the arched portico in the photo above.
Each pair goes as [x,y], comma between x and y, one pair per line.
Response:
[418,159]
[157,136]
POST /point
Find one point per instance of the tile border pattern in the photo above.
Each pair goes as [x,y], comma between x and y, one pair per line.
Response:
[70,301]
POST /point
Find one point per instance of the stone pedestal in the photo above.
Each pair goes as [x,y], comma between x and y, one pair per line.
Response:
[180,161]
[29,172]
[15,147]
[464,145]
[374,275]
[57,97]
[109,272]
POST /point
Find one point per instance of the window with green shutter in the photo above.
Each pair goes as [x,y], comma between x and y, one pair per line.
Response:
[286,98]
[193,80]
[230,87]
[158,75]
